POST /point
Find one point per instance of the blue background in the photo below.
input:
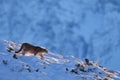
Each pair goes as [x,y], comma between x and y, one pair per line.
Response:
[83,28]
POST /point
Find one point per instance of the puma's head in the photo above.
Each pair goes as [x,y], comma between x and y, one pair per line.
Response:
[45,50]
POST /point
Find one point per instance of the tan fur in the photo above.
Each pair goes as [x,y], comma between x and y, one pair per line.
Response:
[27,49]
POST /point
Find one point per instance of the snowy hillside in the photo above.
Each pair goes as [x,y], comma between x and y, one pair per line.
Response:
[70,27]
[61,68]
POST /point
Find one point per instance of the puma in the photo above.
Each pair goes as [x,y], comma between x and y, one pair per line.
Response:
[28,49]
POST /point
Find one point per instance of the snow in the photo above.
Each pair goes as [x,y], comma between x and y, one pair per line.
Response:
[82,28]
[54,67]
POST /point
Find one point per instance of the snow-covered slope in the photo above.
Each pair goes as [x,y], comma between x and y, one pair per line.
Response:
[61,68]
[74,27]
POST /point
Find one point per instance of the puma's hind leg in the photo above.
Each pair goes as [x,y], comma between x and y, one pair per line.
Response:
[15,55]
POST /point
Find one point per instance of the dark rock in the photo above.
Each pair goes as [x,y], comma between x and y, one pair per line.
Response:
[74,71]
[10,49]
[4,62]
[77,65]
[37,70]
[67,69]
[28,68]
[87,61]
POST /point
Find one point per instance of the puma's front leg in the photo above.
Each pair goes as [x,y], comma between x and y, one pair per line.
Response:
[41,56]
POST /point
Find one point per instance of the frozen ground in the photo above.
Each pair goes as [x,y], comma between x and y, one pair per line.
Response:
[54,67]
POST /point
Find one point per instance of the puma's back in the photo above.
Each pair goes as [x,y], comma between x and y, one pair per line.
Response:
[26,47]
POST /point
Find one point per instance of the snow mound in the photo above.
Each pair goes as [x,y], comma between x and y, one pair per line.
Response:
[54,67]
